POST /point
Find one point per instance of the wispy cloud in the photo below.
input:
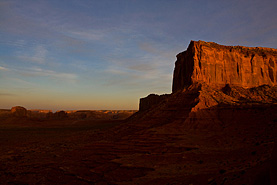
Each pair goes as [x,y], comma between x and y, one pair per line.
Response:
[4,69]
[91,35]
[151,67]
[142,67]
[39,72]
[7,94]
[40,54]
[17,43]
[158,49]
[37,55]
[49,73]
[139,77]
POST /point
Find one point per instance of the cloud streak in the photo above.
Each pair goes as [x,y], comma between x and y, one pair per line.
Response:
[71,77]
[3,68]
[92,35]
[7,94]
[39,72]
[37,55]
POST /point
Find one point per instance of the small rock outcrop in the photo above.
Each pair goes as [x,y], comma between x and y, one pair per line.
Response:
[4,113]
[19,111]
[49,115]
[217,65]
[60,114]
[150,100]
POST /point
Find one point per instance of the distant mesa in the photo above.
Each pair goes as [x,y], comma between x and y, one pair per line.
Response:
[60,114]
[37,114]
[19,111]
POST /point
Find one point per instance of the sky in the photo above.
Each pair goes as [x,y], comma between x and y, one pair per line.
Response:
[92,54]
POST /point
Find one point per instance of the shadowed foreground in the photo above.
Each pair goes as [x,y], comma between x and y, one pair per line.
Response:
[146,152]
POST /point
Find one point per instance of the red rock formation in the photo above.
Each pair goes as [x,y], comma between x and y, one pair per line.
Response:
[38,114]
[49,115]
[209,78]
[60,114]
[5,113]
[217,65]
[100,114]
[19,111]
[236,109]
[150,100]
[220,67]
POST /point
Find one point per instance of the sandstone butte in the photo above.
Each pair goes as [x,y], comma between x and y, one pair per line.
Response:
[218,65]
[19,111]
[218,69]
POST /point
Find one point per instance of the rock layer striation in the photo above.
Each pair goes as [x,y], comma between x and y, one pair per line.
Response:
[218,65]
[151,100]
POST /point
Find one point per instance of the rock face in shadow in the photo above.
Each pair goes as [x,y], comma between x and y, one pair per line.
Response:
[201,106]
[273,169]
[19,111]
[151,100]
[5,113]
[60,115]
[218,65]
[218,108]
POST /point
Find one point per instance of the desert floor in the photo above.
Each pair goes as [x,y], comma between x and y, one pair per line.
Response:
[115,152]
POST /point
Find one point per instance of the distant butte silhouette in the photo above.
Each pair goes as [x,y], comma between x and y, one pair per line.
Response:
[19,111]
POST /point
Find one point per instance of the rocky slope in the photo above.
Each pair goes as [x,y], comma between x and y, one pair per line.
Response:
[151,100]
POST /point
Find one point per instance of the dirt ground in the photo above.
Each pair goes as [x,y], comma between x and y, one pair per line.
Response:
[118,152]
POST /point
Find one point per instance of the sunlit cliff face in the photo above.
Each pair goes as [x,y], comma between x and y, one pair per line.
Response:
[219,65]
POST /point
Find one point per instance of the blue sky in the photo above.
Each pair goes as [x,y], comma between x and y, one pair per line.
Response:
[85,54]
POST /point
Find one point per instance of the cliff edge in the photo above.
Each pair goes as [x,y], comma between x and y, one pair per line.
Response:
[228,70]
[217,65]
